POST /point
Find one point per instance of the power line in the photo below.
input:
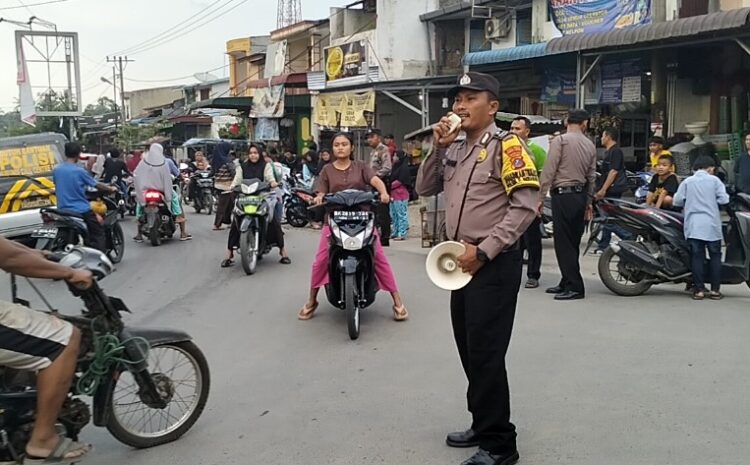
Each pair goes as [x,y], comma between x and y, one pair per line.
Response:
[179,26]
[177,78]
[192,26]
[33,4]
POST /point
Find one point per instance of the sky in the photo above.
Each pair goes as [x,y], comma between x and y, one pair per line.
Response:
[109,27]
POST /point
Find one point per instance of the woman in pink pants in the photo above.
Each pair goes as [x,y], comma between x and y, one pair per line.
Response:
[344,173]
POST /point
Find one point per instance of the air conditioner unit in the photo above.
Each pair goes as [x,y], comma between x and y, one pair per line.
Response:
[498,28]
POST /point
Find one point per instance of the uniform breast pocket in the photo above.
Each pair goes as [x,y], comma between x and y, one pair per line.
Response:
[449,172]
[483,183]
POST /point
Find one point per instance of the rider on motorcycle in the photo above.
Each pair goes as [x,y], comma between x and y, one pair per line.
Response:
[36,341]
[71,182]
[115,167]
[154,173]
[256,168]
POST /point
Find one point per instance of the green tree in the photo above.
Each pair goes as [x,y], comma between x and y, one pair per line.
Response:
[103,106]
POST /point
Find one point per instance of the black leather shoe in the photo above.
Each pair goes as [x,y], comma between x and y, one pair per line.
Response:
[466,438]
[482,457]
[555,290]
[570,295]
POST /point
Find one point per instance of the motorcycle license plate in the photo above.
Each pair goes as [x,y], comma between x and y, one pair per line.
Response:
[46,233]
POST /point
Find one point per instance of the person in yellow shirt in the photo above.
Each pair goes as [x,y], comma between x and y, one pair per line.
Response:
[655,150]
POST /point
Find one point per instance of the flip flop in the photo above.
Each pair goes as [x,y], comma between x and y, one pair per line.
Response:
[186,238]
[285,261]
[227,263]
[400,313]
[64,446]
[307,312]
[140,241]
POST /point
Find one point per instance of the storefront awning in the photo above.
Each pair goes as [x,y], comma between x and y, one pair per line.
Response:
[225,103]
[675,31]
[521,52]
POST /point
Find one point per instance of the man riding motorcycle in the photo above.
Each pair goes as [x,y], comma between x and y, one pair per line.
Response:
[36,341]
[71,182]
[154,173]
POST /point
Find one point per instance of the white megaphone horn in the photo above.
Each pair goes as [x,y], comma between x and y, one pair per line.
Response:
[442,266]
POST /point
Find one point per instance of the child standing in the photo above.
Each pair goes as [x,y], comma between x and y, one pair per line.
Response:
[400,180]
[663,185]
[701,194]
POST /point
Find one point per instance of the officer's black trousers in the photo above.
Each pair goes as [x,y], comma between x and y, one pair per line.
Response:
[532,242]
[568,217]
[482,314]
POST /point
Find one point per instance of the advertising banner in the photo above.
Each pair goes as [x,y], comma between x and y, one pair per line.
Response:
[344,109]
[268,102]
[346,61]
[559,87]
[26,102]
[590,16]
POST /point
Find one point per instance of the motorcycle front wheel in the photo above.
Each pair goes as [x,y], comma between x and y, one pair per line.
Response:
[352,306]
[621,278]
[180,372]
[117,238]
[249,251]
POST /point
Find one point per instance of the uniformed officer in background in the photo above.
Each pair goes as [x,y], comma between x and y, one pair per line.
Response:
[491,191]
[569,175]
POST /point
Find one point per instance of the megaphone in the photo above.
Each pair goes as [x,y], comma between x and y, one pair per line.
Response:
[442,266]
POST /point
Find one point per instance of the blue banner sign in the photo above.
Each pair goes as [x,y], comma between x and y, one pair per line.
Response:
[589,16]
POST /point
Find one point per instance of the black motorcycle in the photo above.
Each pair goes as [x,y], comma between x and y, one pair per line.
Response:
[660,253]
[203,191]
[63,228]
[351,262]
[148,386]
[157,222]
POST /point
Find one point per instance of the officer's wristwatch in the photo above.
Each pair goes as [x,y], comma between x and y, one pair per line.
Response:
[482,255]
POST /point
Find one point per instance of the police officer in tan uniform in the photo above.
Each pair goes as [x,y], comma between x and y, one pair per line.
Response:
[491,192]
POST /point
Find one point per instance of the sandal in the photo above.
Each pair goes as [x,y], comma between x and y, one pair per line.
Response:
[285,261]
[138,239]
[307,312]
[400,313]
[218,228]
[699,295]
[64,452]
[226,263]
[186,238]
[715,295]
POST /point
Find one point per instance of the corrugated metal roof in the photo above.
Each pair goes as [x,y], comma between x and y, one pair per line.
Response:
[521,52]
[664,31]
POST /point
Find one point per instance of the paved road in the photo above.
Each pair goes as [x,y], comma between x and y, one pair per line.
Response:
[653,380]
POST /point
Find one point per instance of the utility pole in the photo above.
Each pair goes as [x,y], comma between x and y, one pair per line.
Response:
[120,60]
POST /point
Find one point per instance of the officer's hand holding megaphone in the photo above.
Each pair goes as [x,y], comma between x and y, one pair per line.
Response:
[469,261]
[446,130]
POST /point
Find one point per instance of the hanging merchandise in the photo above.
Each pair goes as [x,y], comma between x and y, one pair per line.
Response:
[267,129]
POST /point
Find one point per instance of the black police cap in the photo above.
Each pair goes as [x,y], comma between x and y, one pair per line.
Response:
[478,82]
[374,131]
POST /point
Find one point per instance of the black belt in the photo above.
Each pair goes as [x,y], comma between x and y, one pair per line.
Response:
[514,246]
[577,189]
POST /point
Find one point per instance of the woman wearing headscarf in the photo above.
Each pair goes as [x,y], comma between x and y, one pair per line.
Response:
[153,173]
[256,167]
[224,170]
[400,180]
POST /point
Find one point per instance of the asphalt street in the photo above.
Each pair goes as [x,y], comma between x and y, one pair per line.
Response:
[657,379]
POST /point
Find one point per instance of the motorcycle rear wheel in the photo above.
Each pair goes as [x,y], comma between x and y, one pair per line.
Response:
[118,244]
[352,306]
[297,216]
[133,432]
[154,235]
[249,251]
[614,280]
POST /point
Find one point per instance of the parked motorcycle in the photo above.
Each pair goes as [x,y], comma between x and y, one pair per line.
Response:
[253,212]
[351,261]
[64,228]
[148,386]
[660,253]
[203,191]
[296,206]
[157,222]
